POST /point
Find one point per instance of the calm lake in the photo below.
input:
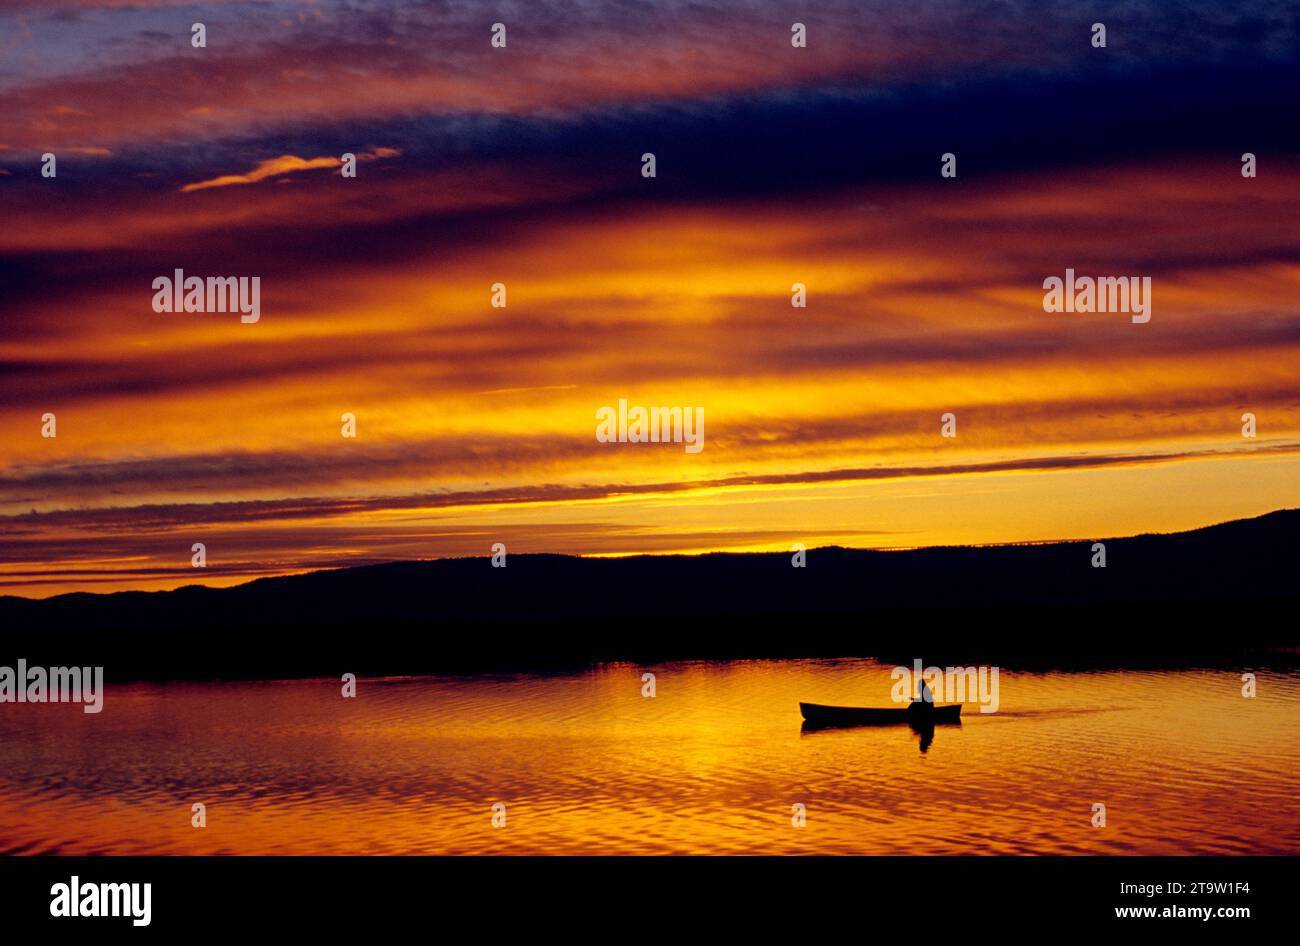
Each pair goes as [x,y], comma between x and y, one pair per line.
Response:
[712,764]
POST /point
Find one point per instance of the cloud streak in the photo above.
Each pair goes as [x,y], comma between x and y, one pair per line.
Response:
[279,167]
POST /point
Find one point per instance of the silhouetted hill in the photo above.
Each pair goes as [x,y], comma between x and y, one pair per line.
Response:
[1163,597]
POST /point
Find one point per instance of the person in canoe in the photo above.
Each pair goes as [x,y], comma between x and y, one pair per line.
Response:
[923,705]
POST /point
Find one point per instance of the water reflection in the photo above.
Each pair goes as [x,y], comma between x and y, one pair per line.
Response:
[585,764]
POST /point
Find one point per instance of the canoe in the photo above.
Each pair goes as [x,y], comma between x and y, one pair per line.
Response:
[819,715]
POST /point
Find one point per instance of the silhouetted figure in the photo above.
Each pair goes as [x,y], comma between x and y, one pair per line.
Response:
[924,703]
[920,712]
[921,715]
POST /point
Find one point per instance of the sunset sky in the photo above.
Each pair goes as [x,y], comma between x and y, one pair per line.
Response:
[522,165]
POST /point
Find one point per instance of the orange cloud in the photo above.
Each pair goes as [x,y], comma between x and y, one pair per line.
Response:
[284,164]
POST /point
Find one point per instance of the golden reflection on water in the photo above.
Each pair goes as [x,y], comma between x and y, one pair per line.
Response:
[711,764]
